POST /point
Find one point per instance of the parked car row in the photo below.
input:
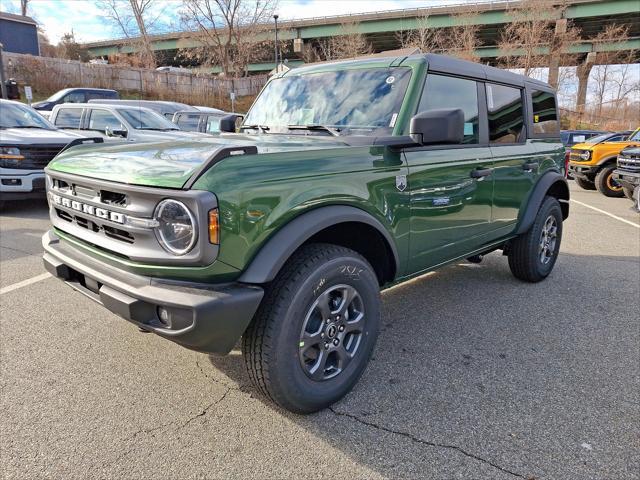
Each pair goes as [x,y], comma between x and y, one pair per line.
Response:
[593,163]
[31,137]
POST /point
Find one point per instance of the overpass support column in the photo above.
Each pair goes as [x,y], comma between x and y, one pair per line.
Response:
[582,73]
[554,60]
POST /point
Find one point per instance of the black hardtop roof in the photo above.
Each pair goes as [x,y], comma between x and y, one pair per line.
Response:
[445,64]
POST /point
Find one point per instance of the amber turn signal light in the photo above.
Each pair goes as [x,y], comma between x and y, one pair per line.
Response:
[214,227]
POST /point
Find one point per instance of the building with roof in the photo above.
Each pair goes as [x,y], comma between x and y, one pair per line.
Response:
[19,34]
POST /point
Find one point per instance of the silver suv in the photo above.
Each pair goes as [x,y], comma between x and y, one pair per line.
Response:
[27,143]
[118,122]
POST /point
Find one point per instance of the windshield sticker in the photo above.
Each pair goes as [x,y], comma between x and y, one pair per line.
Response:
[468,128]
[390,79]
[394,117]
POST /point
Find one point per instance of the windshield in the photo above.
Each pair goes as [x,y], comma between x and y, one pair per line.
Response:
[351,102]
[635,137]
[13,115]
[599,138]
[141,119]
[58,95]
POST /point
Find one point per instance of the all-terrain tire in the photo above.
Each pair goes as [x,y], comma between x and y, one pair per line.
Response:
[277,359]
[533,254]
[605,183]
[584,184]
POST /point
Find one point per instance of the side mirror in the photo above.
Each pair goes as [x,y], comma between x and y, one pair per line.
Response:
[114,133]
[230,123]
[434,127]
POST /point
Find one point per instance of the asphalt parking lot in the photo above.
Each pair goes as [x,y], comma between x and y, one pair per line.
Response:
[475,375]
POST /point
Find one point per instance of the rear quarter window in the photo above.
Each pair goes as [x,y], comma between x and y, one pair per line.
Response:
[545,113]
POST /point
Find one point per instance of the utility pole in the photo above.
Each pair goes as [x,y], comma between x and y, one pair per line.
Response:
[2,84]
[275,17]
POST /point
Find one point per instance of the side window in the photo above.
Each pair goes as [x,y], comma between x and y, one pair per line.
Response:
[213,125]
[188,121]
[92,95]
[449,92]
[545,114]
[101,119]
[68,118]
[74,97]
[506,117]
[581,138]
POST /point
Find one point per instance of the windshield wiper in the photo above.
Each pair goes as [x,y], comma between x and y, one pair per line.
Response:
[157,129]
[28,126]
[262,128]
[333,131]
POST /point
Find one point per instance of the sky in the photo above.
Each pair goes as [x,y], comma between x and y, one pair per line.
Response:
[58,17]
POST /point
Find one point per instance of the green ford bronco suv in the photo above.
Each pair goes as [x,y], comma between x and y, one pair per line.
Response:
[344,178]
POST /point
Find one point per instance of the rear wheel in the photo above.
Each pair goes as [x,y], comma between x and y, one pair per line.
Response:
[533,254]
[585,184]
[314,332]
[606,184]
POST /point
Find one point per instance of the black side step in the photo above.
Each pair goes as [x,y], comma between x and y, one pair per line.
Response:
[219,154]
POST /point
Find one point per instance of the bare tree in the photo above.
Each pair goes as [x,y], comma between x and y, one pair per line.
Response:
[424,37]
[229,31]
[135,20]
[613,82]
[24,5]
[533,38]
[461,40]
[349,43]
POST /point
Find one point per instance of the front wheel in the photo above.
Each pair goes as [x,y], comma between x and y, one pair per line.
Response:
[533,254]
[314,332]
[606,184]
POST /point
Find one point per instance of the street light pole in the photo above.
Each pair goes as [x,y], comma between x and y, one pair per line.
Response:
[275,18]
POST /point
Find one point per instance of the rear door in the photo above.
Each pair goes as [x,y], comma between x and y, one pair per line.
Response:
[516,161]
[450,186]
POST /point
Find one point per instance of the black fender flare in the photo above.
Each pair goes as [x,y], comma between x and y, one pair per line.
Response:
[277,249]
[546,182]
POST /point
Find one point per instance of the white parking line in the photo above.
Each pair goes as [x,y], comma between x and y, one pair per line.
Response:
[607,213]
[24,283]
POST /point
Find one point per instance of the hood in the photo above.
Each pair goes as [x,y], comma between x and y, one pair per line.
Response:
[607,145]
[35,136]
[44,105]
[171,164]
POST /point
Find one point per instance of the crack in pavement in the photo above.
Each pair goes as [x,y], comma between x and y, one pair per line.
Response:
[206,409]
[415,439]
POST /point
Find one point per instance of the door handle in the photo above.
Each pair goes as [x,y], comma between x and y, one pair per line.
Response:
[480,173]
[530,166]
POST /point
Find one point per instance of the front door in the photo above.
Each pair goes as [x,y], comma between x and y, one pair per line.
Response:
[451,187]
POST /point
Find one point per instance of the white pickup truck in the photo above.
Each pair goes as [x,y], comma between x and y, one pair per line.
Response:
[27,143]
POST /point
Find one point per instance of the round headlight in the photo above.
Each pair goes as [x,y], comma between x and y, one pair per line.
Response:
[176,230]
[586,155]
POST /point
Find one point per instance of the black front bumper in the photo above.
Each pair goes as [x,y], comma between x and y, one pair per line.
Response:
[202,317]
[585,172]
[627,179]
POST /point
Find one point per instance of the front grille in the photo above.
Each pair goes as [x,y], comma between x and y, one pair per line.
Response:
[36,157]
[629,162]
[120,219]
